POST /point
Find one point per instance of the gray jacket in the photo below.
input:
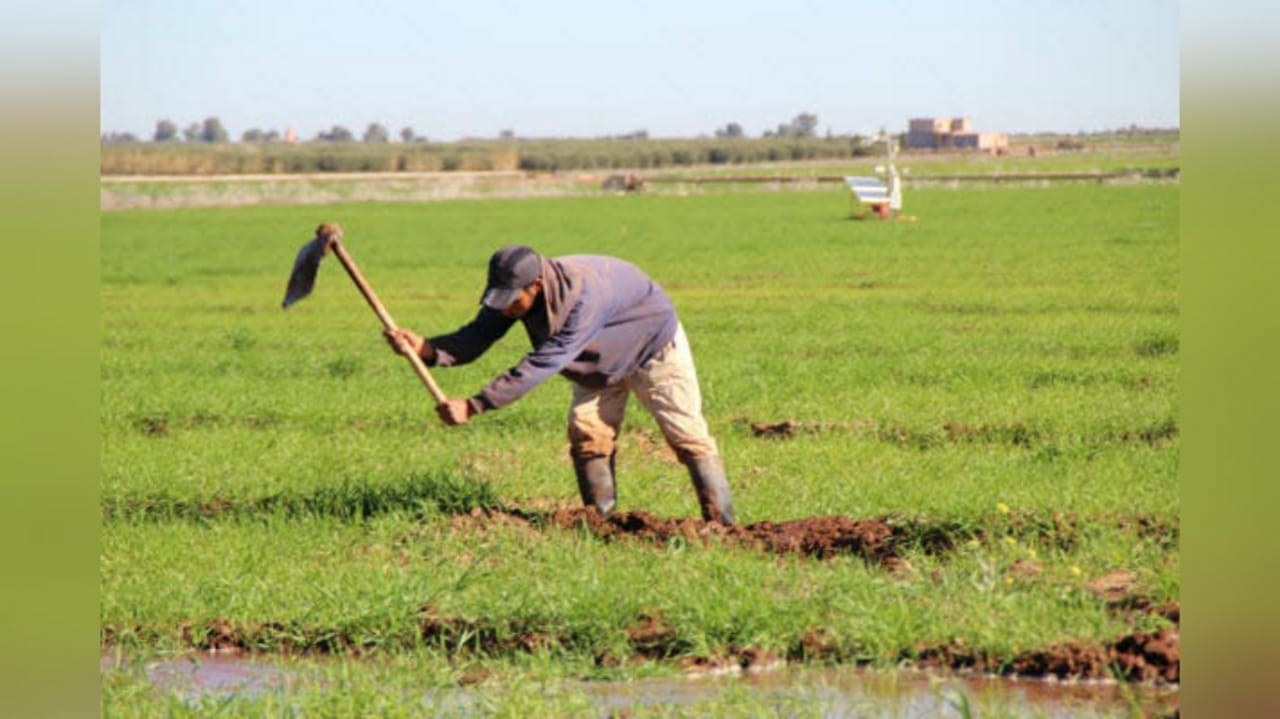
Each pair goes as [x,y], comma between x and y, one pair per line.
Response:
[597,320]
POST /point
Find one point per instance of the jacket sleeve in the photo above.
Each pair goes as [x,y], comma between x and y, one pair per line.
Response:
[580,326]
[471,340]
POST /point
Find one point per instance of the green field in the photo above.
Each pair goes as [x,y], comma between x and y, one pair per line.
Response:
[1007,363]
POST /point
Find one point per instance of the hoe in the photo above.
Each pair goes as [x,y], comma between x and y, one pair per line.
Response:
[303,279]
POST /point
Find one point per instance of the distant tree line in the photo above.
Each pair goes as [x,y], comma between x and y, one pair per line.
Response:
[212,131]
[181,158]
[555,155]
[204,148]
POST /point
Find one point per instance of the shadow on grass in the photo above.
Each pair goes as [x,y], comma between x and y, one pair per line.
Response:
[420,494]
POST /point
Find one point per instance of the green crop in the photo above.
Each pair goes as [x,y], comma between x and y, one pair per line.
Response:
[1003,371]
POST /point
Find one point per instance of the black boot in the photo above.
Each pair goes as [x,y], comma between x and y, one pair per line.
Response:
[595,482]
[709,481]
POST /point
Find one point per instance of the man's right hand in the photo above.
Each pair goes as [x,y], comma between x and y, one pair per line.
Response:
[404,340]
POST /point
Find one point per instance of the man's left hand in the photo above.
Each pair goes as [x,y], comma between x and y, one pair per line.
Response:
[454,412]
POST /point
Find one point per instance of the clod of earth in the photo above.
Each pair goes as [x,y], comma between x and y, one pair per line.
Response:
[785,428]
[752,660]
[817,645]
[153,426]
[1024,569]
[652,638]
[1113,586]
[218,635]
[1137,604]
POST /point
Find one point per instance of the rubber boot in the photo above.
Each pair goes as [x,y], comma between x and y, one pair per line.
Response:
[595,482]
[712,487]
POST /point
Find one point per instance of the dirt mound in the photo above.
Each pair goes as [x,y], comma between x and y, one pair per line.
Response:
[818,537]
[1113,586]
[1144,656]
[653,638]
[752,660]
[1140,656]
[785,428]
[822,537]
[880,540]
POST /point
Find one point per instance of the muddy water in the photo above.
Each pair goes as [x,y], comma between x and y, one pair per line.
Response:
[208,673]
[851,692]
[834,692]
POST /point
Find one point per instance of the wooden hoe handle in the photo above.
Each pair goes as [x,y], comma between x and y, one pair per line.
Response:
[419,368]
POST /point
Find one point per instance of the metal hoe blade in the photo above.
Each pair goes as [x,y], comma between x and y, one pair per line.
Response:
[303,277]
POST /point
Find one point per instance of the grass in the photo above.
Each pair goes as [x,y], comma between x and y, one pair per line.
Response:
[280,475]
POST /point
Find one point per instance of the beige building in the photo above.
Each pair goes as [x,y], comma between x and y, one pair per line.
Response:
[934,133]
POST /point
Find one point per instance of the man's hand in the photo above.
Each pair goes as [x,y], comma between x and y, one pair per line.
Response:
[404,341]
[454,412]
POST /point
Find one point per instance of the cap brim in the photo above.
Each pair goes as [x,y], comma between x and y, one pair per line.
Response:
[499,298]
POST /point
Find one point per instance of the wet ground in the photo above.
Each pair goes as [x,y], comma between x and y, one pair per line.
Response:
[835,691]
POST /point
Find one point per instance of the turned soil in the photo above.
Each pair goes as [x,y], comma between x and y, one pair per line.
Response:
[820,537]
[878,540]
[1139,656]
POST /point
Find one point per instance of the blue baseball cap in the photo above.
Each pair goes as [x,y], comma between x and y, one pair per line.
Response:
[511,269]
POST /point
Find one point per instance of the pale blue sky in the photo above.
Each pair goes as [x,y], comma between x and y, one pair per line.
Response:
[476,67]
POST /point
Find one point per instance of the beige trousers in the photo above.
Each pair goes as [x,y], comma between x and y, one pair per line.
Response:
[667,386]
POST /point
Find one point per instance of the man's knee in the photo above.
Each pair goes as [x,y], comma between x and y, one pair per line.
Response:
[685,430]
[585,441]
[595,418]
[693,449]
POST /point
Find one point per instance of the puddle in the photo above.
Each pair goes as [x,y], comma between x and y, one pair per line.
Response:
[832,691]
[210,672]
[849,692]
